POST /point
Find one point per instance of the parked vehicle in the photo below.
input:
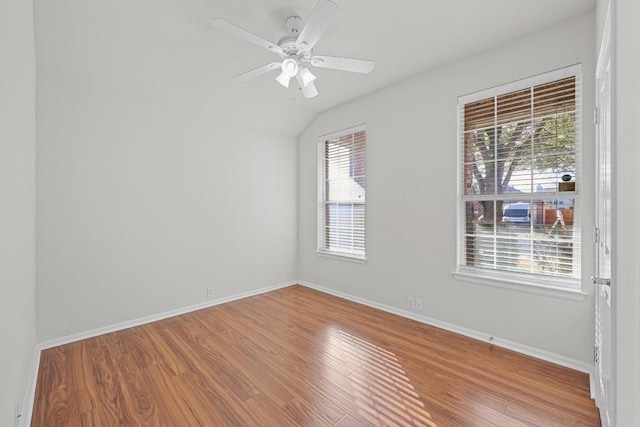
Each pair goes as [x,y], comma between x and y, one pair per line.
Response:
[518,213]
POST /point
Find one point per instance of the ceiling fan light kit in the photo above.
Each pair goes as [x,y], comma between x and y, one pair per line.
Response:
[307,77]
[296,49]
[309,91]
[283,79]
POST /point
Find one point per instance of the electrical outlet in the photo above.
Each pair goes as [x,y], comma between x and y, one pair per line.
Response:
[411,302]
[209,292]
[419,304]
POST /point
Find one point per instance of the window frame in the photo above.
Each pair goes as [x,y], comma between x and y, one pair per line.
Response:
[321,247]
[536,283]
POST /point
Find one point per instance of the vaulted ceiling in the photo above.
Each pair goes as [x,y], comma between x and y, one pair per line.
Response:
[166,51]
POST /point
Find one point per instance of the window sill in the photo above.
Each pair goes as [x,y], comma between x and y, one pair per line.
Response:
[343,257]
[521,285]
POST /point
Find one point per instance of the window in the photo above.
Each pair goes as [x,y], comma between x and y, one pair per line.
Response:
[519,182]
[341,215]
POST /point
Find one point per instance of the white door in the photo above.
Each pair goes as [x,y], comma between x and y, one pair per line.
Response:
[603,356]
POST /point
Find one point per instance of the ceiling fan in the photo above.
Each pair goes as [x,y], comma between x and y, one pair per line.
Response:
[296,49]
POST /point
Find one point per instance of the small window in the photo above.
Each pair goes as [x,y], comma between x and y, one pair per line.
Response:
[519,181]
[341,207]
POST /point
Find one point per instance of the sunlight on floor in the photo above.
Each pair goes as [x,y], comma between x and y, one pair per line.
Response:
[379,383]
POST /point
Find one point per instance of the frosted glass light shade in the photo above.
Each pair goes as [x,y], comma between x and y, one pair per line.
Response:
[283,79]
[307,77]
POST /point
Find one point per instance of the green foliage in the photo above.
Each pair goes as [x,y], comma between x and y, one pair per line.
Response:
[546,145]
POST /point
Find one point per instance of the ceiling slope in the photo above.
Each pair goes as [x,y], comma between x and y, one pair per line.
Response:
[166,51]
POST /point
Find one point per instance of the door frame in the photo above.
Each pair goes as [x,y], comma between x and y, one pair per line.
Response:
[607,403]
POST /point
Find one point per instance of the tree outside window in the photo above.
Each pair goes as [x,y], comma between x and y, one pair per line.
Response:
[519,176]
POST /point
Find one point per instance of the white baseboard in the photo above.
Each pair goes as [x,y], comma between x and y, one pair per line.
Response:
[485,337]
[29,397]
[27,406]
[155,317]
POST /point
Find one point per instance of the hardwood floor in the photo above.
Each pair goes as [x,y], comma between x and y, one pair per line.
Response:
[298,357]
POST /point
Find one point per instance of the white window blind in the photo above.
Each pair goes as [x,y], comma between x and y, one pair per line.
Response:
[519,181]
[341,228]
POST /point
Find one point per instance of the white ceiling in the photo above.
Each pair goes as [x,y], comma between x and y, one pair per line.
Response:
[165,51]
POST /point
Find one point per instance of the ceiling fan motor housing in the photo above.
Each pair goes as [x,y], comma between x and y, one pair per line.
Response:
[288,42]
[294,25]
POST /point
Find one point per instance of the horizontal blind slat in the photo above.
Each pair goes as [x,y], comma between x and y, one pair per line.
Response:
[343,194]
[514,145]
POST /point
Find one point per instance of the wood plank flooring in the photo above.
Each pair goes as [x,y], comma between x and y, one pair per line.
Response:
[298,357]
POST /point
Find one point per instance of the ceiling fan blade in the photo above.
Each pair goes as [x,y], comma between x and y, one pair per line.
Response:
[318,22]
[243,77]
[345,64]
[233,29]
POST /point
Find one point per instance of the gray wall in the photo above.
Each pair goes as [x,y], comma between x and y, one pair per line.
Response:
[140,209]
[411,197]
[17,195]
[601,14]
[143,205]
[626,280]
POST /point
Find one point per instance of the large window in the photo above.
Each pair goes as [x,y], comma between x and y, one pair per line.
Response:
[341,216]
[519,181]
